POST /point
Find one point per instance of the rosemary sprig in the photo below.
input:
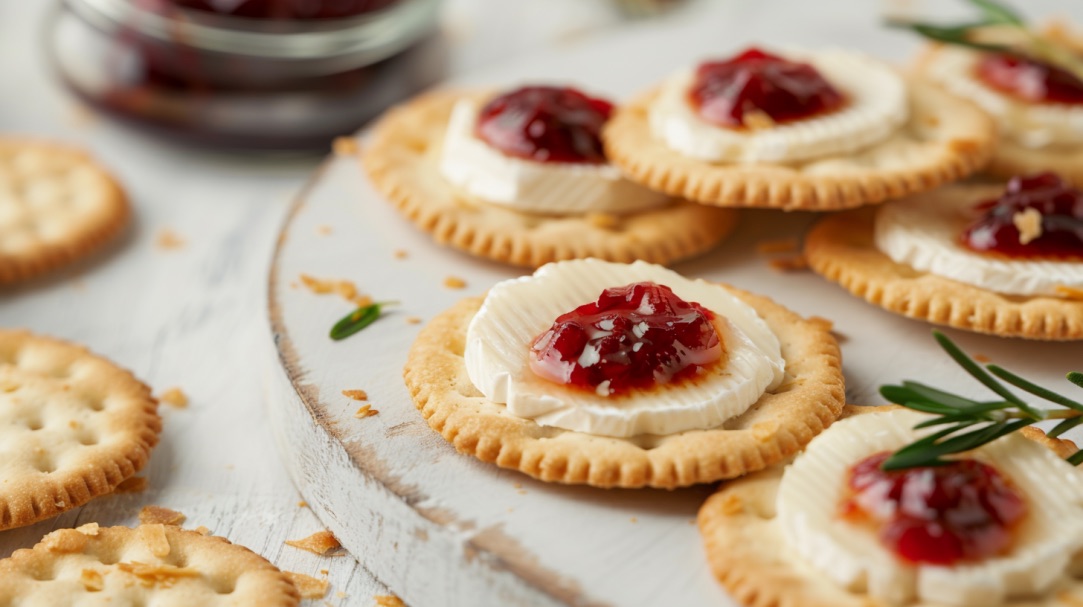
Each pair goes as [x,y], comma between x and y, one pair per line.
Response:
[999,22]
[358,319]
[969,424]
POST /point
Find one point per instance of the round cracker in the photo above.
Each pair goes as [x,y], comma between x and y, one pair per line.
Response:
[158,565]
[72,427]
[777,426]
[56,206]
[748,554]
[841,248]
[946,138]
[402,160]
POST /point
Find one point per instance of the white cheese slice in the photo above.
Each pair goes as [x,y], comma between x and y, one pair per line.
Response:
[1033,125]
[923,233]
[516,311]
[852,556]
[537,187]
[877,107]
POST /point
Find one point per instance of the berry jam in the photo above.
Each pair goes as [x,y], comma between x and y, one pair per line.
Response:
[726,92]
[1029,79]
[291,10]
[634,337]
[1061,210]
[943,515]
[546,124]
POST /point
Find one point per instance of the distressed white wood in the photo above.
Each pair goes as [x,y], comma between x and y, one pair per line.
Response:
[463,533]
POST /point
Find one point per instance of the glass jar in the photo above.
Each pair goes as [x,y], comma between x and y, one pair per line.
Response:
[240,82]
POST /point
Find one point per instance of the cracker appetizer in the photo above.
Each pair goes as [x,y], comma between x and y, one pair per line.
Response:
[620,375]
[899,508]
[1003,260]
[520,177]
[1030,80]
[796,130]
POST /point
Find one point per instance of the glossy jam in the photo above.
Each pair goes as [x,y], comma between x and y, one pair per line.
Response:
[962,512]
[633,337]
[726,92]
[1029,80]
[1061,208]
[291,10]
[546,124]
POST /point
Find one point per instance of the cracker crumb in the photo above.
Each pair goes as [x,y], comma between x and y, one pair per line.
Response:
[151,515]
[92,580]
[343,288]
[324,230]
[345,146]
[521,492]
[308,586]
[132,484]
[1069,292]
[356,394]
[401,254]
[454,282]
[157,575]
[89,529]
[981,358]
[168,240]
[302,504]
[777,245]
[324,571]
[413,320]
[757,120]
[388,600]
[202,530]
[174,397]
[341,595]
[321,543]
[633,520]
[153,537]
[65,541]
[732,504]
[365,411]
[604,221]
[1029,224]
[792,263]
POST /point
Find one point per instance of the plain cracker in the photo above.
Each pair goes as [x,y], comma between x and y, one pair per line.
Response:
[49,464]
[946,138]
[777,426]
[402,162]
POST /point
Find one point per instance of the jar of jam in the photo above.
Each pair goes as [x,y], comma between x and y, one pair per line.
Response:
[274,75]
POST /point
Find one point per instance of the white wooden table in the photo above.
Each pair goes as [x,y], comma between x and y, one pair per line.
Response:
[193,317]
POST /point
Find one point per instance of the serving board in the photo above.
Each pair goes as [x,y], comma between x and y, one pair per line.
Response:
[440,528]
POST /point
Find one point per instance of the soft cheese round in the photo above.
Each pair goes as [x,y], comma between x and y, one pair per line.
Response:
[923,233]
[537,187]
[877,107]
[516,311]
[1032,125]
[852,556]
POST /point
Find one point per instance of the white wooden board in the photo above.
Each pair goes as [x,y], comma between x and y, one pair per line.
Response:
[440,528]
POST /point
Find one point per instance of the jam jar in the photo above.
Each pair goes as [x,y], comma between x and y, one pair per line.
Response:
[270,75]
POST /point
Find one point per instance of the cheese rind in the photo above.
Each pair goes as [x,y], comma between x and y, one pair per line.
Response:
[480,170]
[877,106]
[516,311]
[851,555]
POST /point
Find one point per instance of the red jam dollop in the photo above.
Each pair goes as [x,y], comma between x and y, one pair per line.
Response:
[941,515]
[1060,206]
[546,124]
[634,337]
[287,10]
[725,92]
[1028,79]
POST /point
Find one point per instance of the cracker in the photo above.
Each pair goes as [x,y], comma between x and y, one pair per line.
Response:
[748,555]
[1012,159]
[774,428]
[48,463]
[841,248]
[148,565]
[402,162]
[57,205]
[322,543]
[945,139]
[308,586]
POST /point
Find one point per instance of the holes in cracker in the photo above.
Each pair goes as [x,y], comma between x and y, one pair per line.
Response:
[44,572]
[34,424]
[415,144]
[223,584]
[88,438]
[43,461]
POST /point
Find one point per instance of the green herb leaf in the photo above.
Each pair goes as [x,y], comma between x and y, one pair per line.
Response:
[358,319]
[998,13]
[1076,378]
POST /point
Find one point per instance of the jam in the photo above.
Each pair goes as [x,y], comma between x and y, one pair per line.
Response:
[727,93]
[546,124]
[286,9]
[1029,79]
[634,337]
[1061,220]
[943,515]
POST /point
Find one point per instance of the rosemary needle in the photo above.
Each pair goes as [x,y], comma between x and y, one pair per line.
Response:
[358,319]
